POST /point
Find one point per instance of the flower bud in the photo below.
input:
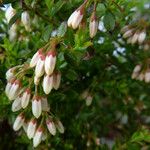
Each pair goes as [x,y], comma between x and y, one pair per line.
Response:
[137,68]
[37,137]
[10,74]
[142,37]
[76,17]
[31,128]
[56,80]
[36,106]
[35,58]
[15,89]
[59,126]
[39,69]
[47,83]
[125,29]
[141,77]
[45,105]
[93,25]
[25,19]
[25,98]
[10,12]
[128,33]
[18,122]
[135,37]
[51,126]
[147,77]
[8,86]
[16,104]
[50,62]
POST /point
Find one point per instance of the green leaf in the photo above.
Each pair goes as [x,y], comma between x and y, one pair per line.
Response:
[100,9]
[49,3]
[72,75]
[62,29]
[109,21]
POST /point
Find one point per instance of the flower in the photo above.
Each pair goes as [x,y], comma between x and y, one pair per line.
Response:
[47,83]
[14,90]
[8,86]
[10,73]
[36,106]
[25,98]
[10,12]
[76,17]
[25,19]
[16,104]
[38,137]
[35,58]
[31,128]
[50,62]
[142,37]
[147,77]
[51,126]
[59,126]
[18,122]
[93,25]
[39,69]
[56,80]
[135,37]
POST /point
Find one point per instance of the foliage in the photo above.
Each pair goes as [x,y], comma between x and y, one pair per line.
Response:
[119,113]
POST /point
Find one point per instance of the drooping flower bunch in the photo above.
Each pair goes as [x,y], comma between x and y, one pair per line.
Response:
[25,20]
[142,73]
[137,33]
[24,90]
[77,16]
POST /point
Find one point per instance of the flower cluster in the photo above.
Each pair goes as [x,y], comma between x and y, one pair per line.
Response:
[77,16]
[142,74]
[30,99]
[134,35]
[25,20]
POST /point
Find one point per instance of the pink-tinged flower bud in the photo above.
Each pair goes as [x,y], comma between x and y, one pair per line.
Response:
[39,69]
[10,12]
[25,98]
[93,25]
[128,33]
[141,77]
[134,75]
[137,68]
[147,77]
[25,19]
[36,80]
[47,83]
[8,86]
[45,105]
[10,74]
[76,17]
[142,37]
[18,122]
[31,128]
[51,126]
[37,137]
[56,80]
[135,37]
[50,62]
[125,29]
[59,126]
[36,106]
[35,58]
[16,104]
[15,89]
